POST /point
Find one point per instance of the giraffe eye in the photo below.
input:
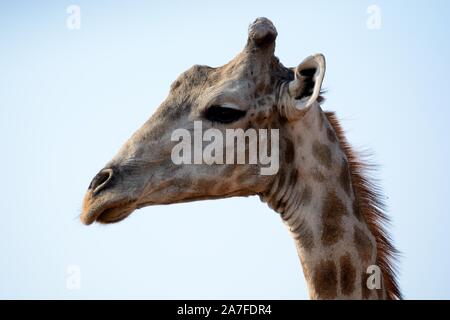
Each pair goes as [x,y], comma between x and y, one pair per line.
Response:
[221,114]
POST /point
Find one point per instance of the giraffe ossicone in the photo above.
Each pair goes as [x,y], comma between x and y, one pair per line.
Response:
[320,189]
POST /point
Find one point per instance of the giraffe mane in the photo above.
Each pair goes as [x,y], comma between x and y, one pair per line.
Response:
[369,197]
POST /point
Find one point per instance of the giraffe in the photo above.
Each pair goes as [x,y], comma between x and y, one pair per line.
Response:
[320,191]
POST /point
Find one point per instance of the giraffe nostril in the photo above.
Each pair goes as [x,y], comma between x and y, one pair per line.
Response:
[101,180]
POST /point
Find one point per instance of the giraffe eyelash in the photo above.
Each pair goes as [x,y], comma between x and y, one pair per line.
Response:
[221,114]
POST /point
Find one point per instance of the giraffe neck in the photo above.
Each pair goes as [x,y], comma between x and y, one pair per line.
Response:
[314,195]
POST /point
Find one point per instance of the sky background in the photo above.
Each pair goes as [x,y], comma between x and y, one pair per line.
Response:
[70,98]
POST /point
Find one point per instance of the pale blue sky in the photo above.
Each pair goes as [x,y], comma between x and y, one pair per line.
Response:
[69,99]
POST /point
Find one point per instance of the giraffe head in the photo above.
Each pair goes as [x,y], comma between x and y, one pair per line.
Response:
[253,91]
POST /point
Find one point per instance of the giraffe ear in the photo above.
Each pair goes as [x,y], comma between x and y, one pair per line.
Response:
[305,88]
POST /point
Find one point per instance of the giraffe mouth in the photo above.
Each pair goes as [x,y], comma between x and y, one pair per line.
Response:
[106,212]
[114,214]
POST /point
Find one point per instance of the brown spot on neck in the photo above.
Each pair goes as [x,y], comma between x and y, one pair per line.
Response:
[322,153]
[348,275]
[344,177]
[325,279]
[289,153]
[332,212]
[366,292]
